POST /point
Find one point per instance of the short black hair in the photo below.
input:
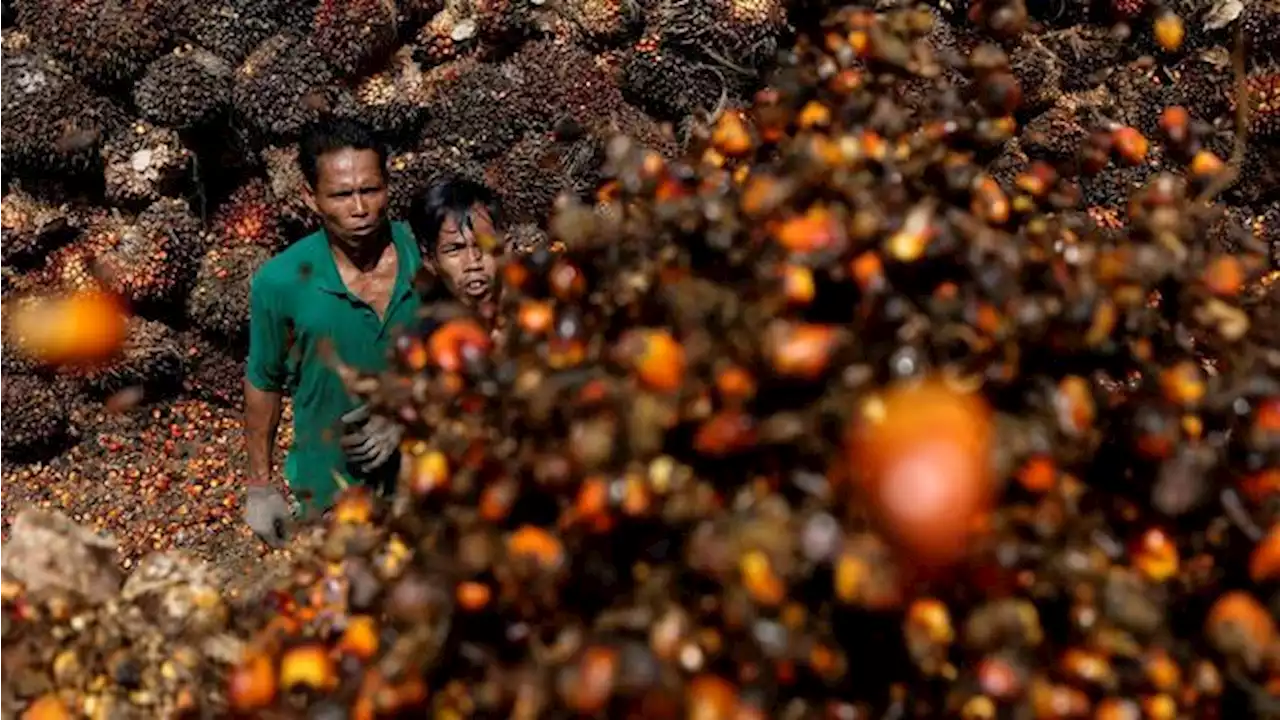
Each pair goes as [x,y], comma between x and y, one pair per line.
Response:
[330,134]
[450,197]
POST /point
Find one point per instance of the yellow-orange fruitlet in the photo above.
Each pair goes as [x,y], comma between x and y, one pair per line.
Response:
[85,327]
[923,458]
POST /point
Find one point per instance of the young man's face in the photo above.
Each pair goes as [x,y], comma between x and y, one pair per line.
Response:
[468,269]
[350,196]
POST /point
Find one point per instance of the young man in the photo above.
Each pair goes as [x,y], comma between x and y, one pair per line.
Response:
[459,227]
[343,289]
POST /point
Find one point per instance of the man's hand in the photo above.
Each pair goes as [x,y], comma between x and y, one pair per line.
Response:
[371,440]
[267,513]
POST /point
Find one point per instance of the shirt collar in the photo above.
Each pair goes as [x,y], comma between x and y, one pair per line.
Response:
[325,268]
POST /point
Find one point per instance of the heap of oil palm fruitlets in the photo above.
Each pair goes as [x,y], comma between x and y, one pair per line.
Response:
[820,421]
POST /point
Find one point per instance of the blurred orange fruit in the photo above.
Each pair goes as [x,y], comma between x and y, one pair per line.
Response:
[85,327]
[923,456]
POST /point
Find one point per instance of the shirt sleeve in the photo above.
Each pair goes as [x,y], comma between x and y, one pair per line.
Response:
[266,369]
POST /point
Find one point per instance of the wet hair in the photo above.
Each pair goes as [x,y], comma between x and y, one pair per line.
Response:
[452,197]
[331,134]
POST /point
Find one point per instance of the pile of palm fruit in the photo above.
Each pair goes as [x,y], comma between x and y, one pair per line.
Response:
[939,380]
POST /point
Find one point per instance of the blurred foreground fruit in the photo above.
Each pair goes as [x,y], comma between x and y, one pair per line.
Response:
[81,328]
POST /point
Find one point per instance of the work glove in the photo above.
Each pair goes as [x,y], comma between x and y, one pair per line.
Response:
[371,440]
[267,513]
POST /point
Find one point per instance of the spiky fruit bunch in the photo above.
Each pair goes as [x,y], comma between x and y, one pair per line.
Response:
[524,238]
[668,85]
[412,173]
[283,85]
[1260,22]
[286,184]
[108,42]
[558,81]
[150,361]
[32,227]
[356,34]
[539,168]
[1263,91]
[219,302]
[445,37]
[249,217]
[231,29]
[35,419]
[736,33]
[394,101]
[188,88]
[1128,9]
[148,261]
[211,373]
[602,20]
[632,122]
[478,110]
[142,163]
[52,123]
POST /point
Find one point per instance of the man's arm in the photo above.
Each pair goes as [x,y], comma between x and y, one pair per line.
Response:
[265,373]
[261,423]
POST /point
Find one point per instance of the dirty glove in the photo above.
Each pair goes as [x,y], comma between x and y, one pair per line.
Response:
[267,513]
[371,440]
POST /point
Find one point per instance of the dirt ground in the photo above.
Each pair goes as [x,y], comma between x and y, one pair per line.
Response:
[159,477]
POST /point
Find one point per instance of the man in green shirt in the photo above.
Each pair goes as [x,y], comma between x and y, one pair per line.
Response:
[343,289]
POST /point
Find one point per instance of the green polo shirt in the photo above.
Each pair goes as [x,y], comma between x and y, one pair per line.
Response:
[297,302]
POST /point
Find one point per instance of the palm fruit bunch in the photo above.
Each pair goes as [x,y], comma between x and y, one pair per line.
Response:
[284,84]
[32,227]
[149,364]
[539,168]
[250,216]
[187,88]
[413,172]
[36,424]
[287,183]
[54,123]
[822,380]
[106,42]
[143,163]
[219,301]
[355,34]
[212,373]
[737,34]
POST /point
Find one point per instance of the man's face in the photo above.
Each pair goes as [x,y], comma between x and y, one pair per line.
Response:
[350,196]
[469,271]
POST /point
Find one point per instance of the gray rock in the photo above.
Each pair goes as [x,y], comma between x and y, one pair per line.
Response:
[48,551]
